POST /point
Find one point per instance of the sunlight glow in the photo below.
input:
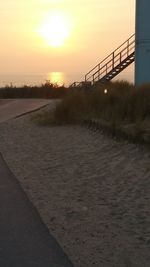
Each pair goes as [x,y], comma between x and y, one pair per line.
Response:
[56,78]
[55,29]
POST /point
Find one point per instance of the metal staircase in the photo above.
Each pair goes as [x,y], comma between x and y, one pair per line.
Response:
[112,65]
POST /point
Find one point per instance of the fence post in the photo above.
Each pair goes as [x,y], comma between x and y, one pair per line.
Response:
[120,57]
[106,68]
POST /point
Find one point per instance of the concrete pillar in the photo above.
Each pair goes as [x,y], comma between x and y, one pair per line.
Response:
[142,47]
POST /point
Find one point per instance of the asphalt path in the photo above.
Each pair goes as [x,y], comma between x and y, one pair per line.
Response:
[16,107]
[24,239]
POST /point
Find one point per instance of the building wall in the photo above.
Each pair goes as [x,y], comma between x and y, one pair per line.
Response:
[142,58]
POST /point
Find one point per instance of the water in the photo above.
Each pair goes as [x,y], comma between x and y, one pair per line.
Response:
[59,78]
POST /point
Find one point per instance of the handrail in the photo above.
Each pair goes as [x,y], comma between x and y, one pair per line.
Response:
[112,60]
[115,61]
[75,84]
[80,84]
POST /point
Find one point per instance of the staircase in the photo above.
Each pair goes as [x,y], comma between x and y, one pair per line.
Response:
[112,65]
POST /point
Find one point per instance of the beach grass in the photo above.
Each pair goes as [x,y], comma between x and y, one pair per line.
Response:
[46,90]
[119,105]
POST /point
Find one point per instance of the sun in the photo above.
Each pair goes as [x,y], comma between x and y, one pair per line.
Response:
[55,29]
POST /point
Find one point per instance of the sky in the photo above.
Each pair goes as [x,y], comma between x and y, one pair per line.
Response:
[62,36]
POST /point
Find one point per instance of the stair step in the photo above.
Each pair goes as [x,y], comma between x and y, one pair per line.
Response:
[120,55]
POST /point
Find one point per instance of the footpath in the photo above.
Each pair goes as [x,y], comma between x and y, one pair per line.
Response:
[24,239]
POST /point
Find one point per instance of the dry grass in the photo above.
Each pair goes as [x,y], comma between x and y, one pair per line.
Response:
[47,90]
[122,107]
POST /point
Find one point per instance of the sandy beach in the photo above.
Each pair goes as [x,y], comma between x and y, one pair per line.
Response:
[92,192]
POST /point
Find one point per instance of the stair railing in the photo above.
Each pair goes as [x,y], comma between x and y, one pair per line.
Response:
[112,61]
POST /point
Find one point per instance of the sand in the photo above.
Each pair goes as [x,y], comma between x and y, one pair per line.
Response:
[4,101]
[92,192]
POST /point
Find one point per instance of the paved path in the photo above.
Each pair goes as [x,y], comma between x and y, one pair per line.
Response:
[13,108]
[24,239]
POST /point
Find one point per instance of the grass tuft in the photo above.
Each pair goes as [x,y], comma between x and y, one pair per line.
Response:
[119,105]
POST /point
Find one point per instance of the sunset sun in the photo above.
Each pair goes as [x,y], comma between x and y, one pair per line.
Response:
[55,29]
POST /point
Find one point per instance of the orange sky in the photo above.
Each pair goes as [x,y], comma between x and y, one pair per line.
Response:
[91,29]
